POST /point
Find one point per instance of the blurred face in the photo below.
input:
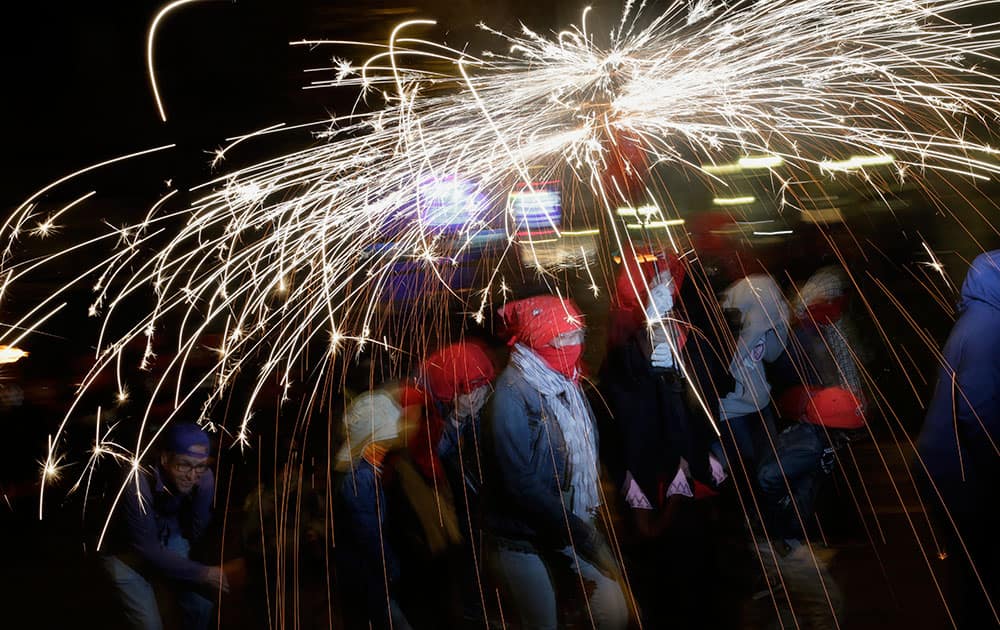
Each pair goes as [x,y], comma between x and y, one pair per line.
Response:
[571,338]
[468,405]
[183,471]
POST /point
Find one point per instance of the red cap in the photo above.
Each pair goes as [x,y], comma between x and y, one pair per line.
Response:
[836,408]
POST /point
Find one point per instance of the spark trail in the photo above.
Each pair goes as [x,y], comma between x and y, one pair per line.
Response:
[300,251]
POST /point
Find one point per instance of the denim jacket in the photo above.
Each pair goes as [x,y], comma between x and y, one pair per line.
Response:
[527,490]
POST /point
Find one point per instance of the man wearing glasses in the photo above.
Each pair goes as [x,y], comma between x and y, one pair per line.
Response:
[159,517]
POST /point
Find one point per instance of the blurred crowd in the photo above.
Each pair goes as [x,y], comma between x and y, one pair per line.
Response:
[501,484]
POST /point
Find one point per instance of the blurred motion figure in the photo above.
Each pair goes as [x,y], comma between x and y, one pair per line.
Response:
[958,446]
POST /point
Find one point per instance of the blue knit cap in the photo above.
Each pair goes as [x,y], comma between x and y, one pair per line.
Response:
[186,438]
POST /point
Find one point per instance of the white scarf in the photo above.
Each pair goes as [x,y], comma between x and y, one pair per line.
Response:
[575,420]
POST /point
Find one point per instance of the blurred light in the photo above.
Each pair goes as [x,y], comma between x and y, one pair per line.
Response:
[888,204]
[760,161]
[734,201]
[855,162]
[581,232]
[654,224]
[11,354]
[449,203]
[873,160]
[774,233]
[537,206]
[487,236]
[721,169]
[645,211]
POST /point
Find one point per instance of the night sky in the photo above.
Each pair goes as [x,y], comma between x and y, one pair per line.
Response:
[77,91]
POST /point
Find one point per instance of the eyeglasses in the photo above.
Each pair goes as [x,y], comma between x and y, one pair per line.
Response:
[184,467]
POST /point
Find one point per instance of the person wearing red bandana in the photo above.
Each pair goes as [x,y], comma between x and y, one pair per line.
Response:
[656,441]
[826,406]
[456,382]
[542,497]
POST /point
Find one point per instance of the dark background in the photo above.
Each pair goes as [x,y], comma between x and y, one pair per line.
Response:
[76,92]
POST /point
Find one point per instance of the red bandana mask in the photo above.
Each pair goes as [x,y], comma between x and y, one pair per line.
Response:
[563,360]
[536,321]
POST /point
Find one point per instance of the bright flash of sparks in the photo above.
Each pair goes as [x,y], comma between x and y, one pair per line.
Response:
[10,354]
[275,254]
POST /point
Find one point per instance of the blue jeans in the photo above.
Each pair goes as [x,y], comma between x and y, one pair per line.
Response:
[790,478]
[138,595]
[527,578]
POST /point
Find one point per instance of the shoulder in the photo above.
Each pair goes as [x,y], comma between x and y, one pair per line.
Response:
[510,383]
[513,397]
[358,484]
[975,339]
[143,485]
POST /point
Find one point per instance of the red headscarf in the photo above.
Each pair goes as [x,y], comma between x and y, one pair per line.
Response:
[456,369]
[422,442]
[536,321]
[628,308]
[708,233]
[452,370]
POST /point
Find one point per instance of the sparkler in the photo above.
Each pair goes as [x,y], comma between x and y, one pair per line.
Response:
[300,251]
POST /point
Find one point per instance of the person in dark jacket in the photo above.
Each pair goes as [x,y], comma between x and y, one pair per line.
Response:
[152,533]
[662,437]
[456,382]
[958,445]
[747,424]
[543,495]
[664,434]
[826,407]
[827,411]
[367,561]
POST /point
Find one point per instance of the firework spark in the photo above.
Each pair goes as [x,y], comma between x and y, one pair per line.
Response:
[302,250]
